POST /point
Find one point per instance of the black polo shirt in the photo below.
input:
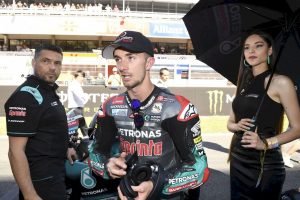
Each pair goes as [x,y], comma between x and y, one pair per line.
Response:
[34,111]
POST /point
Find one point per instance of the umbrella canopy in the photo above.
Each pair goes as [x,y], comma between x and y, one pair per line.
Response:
[217,28]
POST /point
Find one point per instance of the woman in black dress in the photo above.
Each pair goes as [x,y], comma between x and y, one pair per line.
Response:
[256,166]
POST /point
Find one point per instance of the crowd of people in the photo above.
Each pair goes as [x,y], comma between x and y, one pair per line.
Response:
[91,7]
[159,152]
[111,10]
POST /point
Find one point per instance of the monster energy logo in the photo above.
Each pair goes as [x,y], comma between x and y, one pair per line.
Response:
[87,180]
[215,98]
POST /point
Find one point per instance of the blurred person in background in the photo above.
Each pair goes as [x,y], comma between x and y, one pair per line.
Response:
[114,80]
[77,98]
[163,78]
[288,151]
[127,8]
[162,50]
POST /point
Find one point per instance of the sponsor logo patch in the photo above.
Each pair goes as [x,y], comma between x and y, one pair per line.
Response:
[196,129]
[119,106]
[150,148]
[140,134]
[118,100]
[54,103]
[183,179]
[119,112]
[87,180]
[17,111]
[252,95]
[152,118]
[180,187]
[16,121]
[164,99]
[157,108]
[188,111]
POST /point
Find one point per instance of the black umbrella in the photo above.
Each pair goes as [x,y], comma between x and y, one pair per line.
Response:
[217,27]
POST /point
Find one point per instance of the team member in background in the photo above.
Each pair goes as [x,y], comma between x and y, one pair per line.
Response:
[114,80]
[163,78]
[158,132]
[37,129]
[77,98]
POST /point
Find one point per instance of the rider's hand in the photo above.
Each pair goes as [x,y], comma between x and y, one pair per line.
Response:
[116,167]
[71,155]
[143,190]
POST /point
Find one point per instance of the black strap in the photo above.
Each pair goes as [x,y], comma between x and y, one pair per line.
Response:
[285,36]
[262,153]
[264,95]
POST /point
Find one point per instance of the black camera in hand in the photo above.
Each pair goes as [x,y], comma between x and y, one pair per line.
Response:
[136,174]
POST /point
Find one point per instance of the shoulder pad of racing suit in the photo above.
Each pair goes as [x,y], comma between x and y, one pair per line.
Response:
[187,111]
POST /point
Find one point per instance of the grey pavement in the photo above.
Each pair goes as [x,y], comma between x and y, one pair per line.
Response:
[216,188]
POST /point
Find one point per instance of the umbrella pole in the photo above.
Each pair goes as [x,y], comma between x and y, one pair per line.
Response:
[285,36]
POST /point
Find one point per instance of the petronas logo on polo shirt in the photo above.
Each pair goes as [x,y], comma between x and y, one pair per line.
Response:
[87,180]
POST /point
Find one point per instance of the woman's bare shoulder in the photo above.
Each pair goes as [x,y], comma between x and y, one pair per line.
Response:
[282,81]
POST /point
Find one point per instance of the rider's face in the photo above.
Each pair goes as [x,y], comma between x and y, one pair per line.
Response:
[132,67]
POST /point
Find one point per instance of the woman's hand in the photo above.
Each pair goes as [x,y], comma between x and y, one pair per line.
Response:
[244,124]
[252,140]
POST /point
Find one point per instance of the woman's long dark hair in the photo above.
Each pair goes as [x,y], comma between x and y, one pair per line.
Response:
[245,72]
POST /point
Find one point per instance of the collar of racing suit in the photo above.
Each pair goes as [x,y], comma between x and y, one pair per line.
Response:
[148,101]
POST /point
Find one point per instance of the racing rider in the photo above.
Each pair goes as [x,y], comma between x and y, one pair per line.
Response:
[161,128]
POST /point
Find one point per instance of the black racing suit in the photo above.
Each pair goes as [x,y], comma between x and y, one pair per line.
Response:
[171,136]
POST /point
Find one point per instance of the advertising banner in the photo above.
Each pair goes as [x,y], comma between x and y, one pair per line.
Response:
[168,30]
[208,100]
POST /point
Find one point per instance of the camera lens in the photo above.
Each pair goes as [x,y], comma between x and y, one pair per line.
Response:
[141,173]
[141,176]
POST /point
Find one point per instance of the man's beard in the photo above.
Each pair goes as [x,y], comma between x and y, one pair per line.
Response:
[135,84]
[45,78]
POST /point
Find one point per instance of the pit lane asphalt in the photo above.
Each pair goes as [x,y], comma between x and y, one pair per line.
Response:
[216,188]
